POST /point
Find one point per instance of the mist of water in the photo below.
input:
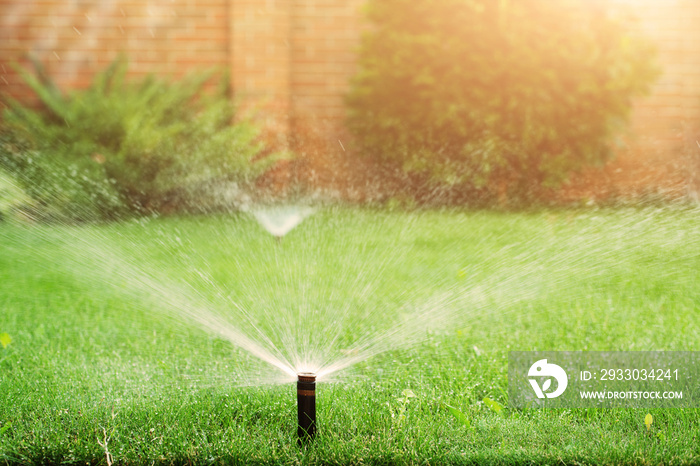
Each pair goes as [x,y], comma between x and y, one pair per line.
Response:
[327,299]
[281,219]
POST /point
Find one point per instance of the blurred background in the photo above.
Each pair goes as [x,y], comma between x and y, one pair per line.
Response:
[293,63]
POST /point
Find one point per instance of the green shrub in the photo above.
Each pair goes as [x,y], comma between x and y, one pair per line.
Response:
[12,197]
[121,146]
[63,183]
[494,95]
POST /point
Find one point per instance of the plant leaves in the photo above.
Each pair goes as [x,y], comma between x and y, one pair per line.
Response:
[648,419]
[408,393]
[5,339]
[459,415]
[494,405]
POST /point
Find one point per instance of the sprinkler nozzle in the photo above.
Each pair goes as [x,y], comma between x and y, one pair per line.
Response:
[306,403]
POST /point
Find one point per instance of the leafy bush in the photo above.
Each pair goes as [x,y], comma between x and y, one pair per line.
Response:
[497,95]
[127,147]
[12,197]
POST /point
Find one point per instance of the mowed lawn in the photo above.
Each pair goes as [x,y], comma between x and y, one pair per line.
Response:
[104,367]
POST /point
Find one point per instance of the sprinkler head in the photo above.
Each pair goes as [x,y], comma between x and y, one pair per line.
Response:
[306,403]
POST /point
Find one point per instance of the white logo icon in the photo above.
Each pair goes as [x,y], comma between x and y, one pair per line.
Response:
[542,369]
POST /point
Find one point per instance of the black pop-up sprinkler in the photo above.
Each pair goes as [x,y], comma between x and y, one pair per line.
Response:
[306,403]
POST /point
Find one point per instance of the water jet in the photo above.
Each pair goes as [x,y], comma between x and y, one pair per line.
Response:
[306,406]
[280,220]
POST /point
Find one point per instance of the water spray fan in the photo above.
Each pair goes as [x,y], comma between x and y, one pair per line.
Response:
[280,220]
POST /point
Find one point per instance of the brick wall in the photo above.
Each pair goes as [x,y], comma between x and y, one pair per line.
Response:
[261,60]
[73,38]
[291,60]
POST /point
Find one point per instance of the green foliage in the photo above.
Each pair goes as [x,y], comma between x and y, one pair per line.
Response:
[127,146]
[61,183]
[495,95]
[11,195]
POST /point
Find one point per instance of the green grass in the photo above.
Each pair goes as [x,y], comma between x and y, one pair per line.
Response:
[94,358]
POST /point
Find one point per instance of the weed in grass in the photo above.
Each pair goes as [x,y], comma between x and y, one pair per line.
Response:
[459,415]
[398,411]
[5,339]
[494,406]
